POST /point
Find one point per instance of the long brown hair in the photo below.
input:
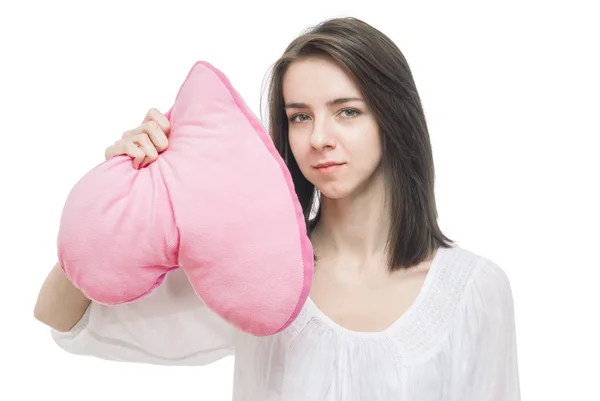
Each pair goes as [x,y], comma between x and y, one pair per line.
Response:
[382,74]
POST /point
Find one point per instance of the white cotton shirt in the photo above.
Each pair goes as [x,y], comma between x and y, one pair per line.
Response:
[455,343]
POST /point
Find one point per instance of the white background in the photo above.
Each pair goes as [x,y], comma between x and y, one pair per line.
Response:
[510,90]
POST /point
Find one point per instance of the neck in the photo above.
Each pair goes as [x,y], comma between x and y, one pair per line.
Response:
[357,225]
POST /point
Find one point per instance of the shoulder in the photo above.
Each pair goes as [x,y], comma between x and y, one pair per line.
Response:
[476,270]
[486,287]
[471,280]
[489,277]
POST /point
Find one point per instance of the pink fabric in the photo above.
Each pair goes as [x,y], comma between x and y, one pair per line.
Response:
[219,203]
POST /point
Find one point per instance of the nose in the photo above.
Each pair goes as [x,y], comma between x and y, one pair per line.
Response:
[322,135]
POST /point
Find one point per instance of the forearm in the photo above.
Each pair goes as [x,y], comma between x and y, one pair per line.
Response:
[171,327]
[60,304]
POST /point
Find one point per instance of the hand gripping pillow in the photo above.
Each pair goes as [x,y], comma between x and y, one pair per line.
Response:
[218,203]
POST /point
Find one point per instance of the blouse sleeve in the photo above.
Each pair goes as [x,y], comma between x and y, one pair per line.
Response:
[170,326]
[484,348]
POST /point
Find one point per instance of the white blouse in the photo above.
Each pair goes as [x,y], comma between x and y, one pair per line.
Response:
[455,343]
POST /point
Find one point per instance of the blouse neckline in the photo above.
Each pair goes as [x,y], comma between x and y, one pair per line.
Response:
[407,318]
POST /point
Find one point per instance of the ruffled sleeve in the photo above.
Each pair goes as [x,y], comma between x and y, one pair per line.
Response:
[484,348]
[171,326]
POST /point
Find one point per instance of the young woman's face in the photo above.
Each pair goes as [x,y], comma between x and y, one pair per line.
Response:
[332,134]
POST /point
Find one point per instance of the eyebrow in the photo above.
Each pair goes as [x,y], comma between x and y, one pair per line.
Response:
[334,102]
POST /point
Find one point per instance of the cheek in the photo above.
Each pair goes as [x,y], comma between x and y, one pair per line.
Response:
[376,147]
[367,145]
[374,139]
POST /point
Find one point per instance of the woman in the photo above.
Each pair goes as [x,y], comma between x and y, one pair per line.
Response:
[396,312]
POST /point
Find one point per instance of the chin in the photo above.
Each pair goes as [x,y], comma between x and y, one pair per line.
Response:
[332,190]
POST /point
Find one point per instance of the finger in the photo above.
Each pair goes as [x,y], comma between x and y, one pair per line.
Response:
[116,149]
[157,135]
[135,152]
[126,147]
[159,118]
[143,141]
[109,152]
[153,130]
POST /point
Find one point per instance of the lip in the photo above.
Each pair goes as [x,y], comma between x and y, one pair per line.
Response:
[326,164]
[328,167]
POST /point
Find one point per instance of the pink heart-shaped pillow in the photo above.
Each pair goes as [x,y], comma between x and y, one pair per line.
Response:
[218,203]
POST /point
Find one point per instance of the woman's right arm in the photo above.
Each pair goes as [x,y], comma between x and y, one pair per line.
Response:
[60,305]
[170,326]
